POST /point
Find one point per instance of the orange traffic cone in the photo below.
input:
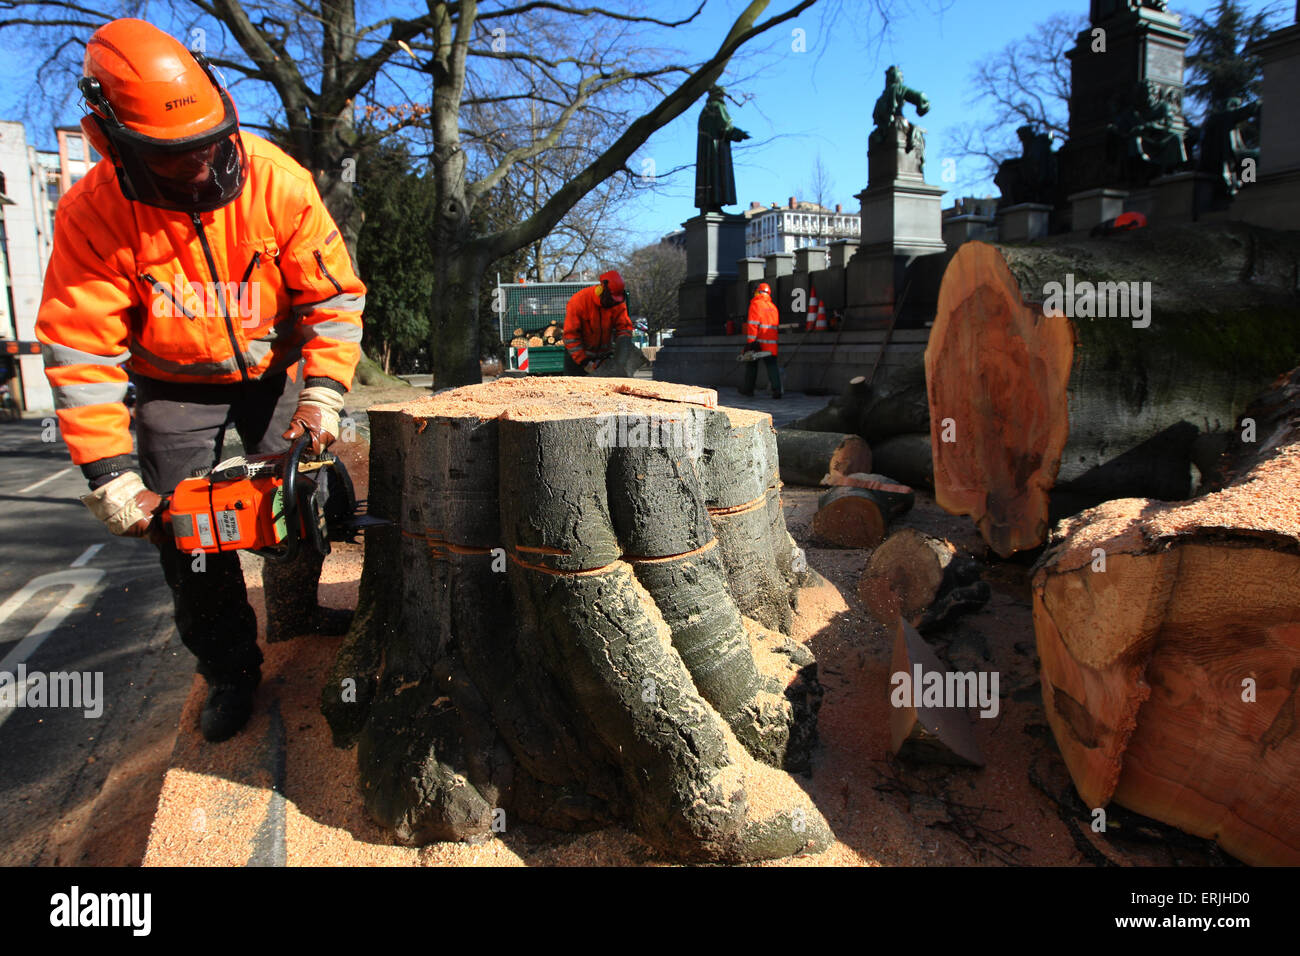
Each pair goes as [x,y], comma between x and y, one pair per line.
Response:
[811,319]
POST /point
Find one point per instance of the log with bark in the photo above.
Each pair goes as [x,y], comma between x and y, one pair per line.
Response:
[1169,640]
[894,404]
[856,512]
[810,457]
[907,457]
[580,617]
[1023,402]
[923,579]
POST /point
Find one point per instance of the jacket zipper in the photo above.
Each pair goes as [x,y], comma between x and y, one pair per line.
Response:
[248,273]
[221,299]
[159,287]
[320,261]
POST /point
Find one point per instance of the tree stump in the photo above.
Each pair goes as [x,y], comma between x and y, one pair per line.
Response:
[1023,402]
[1169,636]
[579,618]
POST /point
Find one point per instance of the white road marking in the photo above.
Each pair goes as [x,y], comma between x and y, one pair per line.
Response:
[48,478]
[86,555]
[83,581]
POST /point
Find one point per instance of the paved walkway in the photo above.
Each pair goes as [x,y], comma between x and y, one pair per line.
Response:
[784,410]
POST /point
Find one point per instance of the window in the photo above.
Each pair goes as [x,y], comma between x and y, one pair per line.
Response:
[76,148]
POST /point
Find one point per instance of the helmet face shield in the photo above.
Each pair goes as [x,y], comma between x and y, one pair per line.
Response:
[195,179]
[194,173]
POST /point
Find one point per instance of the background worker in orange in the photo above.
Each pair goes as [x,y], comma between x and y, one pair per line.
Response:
[760,336]
[593,319]
[201,259]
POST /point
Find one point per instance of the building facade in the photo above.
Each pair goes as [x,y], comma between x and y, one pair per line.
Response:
[31,182]
[796,225]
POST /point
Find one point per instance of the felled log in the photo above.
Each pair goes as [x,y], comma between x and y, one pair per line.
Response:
[1023,402]
[908,458]
[1169,636]
[894,404]
[580,618]
[857,512]
[809,457]
[921,578]
[921,728]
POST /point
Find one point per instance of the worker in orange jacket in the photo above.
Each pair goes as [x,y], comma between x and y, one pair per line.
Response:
[760,336]
[201,260]
[593,319]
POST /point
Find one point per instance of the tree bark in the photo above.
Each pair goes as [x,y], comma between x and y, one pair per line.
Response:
[1169,636]
[1022,403]
[922,579]
[808,457]
[581,613]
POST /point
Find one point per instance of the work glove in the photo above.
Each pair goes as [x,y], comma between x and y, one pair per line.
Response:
[751,347]
[127,507]
[591,366]
[317,414]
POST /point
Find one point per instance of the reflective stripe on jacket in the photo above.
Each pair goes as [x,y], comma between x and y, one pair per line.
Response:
[590,328]
[760,326]
[244,292]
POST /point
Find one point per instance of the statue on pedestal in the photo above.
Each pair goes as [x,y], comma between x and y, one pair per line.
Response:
[715,181]
[892,126]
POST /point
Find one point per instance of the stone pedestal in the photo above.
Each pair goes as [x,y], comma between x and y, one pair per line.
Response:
[1023,222]
[1273,200]
[777,264]
[841,251]
[810,259]
[903,217]
[1181,197]
[714,242]
[1142,46]
[748,271]
[1094,206]
[959,229]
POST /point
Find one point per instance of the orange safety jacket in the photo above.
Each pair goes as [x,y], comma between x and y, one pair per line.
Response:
[590,328]
[760,325]
[225,296]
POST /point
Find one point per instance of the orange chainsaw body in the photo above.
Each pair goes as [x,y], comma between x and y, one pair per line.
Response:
[231,515]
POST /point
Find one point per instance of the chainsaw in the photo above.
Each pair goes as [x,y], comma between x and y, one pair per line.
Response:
[272,505]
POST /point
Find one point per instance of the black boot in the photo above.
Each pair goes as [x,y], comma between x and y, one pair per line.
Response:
[229,704]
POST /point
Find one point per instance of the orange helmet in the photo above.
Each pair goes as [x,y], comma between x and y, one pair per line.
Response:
[613,283]
[763,289]
[157,112]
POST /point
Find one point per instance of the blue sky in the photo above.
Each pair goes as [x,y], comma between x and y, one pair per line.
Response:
[799,104]
[821,100]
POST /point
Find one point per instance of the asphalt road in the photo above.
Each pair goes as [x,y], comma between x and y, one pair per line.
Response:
[105,615]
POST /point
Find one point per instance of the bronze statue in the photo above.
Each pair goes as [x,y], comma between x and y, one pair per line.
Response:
[715,181]
[1033,176]
[1223,146]
[889,107]
[1147,128]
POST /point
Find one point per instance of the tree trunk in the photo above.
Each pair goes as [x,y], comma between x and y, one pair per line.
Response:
[1169,636]
[1022,403]
[908,458]
[895,404]
[807,457]
[581,613]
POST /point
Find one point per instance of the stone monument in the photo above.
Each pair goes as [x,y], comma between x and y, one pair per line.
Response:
[1126,99]
[901,213]
[715,239]
[1273,198]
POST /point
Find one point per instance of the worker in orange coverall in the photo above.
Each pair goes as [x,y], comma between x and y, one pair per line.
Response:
[593,320]
[202,260]
[760,335]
